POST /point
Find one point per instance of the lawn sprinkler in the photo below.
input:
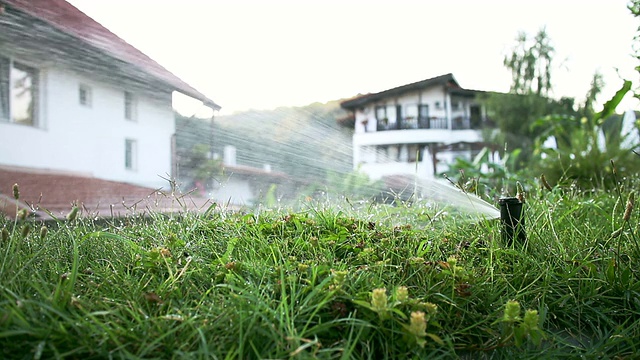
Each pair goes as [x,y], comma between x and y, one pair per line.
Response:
[512,218]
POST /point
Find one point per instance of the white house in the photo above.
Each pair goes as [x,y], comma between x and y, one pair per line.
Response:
[76,98]
[416,129]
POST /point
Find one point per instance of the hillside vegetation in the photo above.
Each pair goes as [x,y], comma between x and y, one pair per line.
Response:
[305,142]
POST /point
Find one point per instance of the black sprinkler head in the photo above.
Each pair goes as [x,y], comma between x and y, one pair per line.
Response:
[512,218]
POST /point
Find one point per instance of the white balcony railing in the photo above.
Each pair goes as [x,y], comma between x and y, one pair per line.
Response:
[442,123]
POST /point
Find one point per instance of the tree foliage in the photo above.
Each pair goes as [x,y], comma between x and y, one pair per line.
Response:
[583,148]
[530,63]
[634,7]
[597,83]
[587,146]
[195,164]
[513,115]
[200,167]
[483,177]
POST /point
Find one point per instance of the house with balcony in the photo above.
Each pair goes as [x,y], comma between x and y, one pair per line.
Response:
[416,129]
[78,102]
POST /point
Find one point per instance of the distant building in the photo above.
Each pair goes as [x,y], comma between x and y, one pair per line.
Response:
[75,98]
[427,123]
[241,185]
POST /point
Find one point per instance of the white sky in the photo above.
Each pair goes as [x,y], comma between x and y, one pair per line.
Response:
[263,54]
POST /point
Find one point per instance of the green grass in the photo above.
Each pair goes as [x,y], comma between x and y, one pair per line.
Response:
[300,284]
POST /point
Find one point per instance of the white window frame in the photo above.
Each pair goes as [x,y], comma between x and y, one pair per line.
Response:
[88,99]
[131,154]
[35,93]
[130,106]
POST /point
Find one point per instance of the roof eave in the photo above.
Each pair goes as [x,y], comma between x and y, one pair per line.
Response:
[200,97]
[210,104]
[369,98]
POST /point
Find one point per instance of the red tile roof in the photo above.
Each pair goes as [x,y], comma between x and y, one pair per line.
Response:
[68,19]
[57,191]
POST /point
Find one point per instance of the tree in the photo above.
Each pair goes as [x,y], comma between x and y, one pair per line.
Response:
[585,145]
[597,83]
[514,114]
[530,64]
[200,168]
[634,7]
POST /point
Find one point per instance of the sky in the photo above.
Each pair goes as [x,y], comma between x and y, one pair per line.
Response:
[250,54]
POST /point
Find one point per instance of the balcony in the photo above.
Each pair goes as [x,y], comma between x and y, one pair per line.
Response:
[439,123]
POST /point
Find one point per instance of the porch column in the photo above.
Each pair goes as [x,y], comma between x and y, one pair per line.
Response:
[447,110]
[356,155]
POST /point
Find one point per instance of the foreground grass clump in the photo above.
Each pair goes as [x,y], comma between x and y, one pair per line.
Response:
[383,282]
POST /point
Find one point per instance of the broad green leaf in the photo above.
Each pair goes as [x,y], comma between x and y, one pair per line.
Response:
[483,156]
[611,105]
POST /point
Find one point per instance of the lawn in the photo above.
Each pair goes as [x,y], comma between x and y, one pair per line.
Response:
[341,280]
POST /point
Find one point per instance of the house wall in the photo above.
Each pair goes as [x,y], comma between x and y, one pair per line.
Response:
[91,140]
[417,136]
[235,190]
[372,165]
[377,171]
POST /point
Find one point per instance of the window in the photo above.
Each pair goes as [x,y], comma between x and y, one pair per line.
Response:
[415,152]
[130,106]
[130,154]
[393,152]
[381,112]
[410,120]
[423,116]
[411,111]
[475,116]
[423,111]
[18,93]
[383,153]
[392,115]
[84,95]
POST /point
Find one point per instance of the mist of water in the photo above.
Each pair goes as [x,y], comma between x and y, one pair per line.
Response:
[308,146]
[447,195]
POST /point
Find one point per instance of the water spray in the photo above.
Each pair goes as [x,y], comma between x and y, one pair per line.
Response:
[512,218]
